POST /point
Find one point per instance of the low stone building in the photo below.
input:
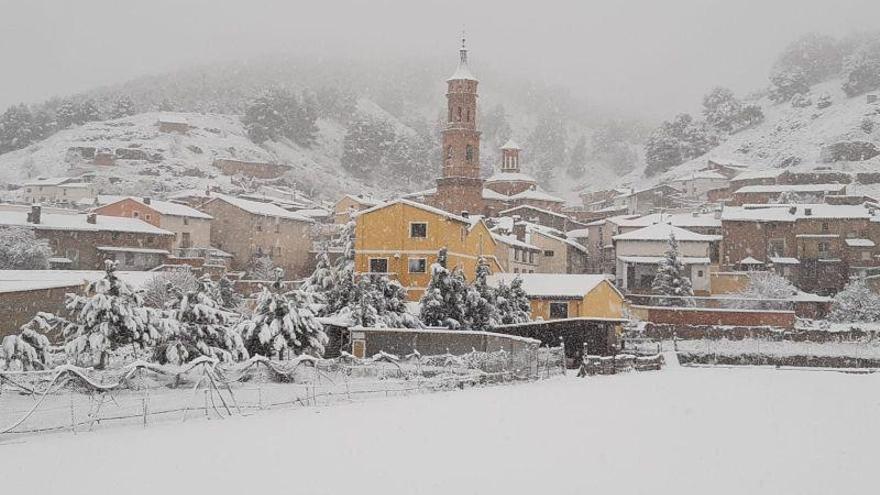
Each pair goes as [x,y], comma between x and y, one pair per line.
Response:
[249,230]
[541,216]
[785,193]
[84,241]
[191,227]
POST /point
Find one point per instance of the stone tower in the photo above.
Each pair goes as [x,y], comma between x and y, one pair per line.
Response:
[460,187]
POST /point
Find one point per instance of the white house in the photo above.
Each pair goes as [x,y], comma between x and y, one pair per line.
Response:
[639,252]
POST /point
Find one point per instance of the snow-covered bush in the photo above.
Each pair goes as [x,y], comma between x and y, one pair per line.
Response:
[768,285]
[856,302]
[160,289]
[479,304]
[862,68]
[378,302]
[20,249]
[261,268]
[443,303]
[671,279]
[28,350]
[109,316]
[282,325]
[199,327]
[801,100]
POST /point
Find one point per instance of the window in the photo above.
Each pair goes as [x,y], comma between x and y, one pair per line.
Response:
[136,214]
[866,255]
[824,226]
[459,114]
[418,265]
[558,310]
[277,250]
[776,247]
[516,270]
[532,257]
[448,153]
[186,220]
[548,253]
[185,240]
[277,226]
[259,228]
[378,265]
[823,248]
[700,273]
[149,217]
[418,230]
[469,153]
[516,254]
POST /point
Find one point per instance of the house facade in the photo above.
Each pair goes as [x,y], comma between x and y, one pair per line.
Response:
[58,190]
[558,296]
[191,227]
[402,238]
[249,230]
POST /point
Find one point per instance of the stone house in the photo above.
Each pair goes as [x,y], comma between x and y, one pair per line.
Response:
[600,244]
[555,296]
[83,242]
[779,193]
[541,216]
[698,184]
[58,190]
[639,253]
[516,256]
[816,246]
[350,204]
[191,227]
[249,230]
[558,253]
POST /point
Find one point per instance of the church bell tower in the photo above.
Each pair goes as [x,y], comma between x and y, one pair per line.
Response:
[460,187]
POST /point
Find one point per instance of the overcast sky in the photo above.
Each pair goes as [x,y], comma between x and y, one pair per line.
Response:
[659,56]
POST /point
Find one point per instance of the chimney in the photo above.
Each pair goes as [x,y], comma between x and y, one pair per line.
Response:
[35,214]
[147,200]
[92,218]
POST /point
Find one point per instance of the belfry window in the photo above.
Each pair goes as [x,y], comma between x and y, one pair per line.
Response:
[459,114]
[448,153]
[469,153]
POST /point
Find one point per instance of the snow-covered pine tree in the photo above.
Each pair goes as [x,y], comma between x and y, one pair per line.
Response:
[202,328]
[282,325]
[122,107]
[261,268]
[88,111]
[29,349]
[671,279]
[321,279]
[20,249]
[443,304]
[262,121]
[480,311]
[343,290]
[512,303]
[67,114]
[855,303]
[230,299]
[378,302]
[109,316]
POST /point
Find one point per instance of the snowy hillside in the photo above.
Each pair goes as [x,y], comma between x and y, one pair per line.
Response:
[793,138]
[181,160]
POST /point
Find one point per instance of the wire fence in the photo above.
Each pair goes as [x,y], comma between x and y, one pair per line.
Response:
[75,399]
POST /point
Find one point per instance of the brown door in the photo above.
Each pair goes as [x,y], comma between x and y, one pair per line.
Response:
[358,348]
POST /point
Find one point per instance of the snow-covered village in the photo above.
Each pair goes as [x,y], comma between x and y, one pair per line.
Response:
[439,247]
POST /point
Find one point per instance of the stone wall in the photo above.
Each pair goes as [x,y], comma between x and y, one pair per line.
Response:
[725,317]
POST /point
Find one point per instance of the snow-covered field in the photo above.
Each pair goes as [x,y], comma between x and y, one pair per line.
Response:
[681,430]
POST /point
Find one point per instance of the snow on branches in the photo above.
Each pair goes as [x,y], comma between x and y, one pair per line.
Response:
[671,278]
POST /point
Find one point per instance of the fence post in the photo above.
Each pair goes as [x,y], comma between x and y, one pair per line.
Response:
[145,406]
[206,404]
[564,363]
[260,396]
[72,415]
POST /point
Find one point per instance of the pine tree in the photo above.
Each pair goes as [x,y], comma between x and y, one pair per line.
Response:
[122,107]
[16,128]
[67,114]
[671,279]
[262,121]
[230,299]
[88,111]
[343,290]
[577,162]
[443,304]
[262,268]
[480,311]
[855,303]
[109,316]
[512,303]
[282,325]
[321,279]
[201,328]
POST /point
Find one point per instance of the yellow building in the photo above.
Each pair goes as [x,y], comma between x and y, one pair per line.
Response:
[349,205]
[561,295]
[402,238]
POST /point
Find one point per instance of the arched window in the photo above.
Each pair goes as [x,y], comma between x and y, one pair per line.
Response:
[459,114]
[468,115]
[449,153]
[469,153]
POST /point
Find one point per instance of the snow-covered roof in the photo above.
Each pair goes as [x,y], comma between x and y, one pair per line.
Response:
[490,194]
[783,260]
[791,213]
[562,285]
[314,212]
[462,72]
[363,200]
[419,194]
[49,181]
[793,188]
[758,174]
[257,208]
[662,231]
[702,174]
[420,206]
[653,260]
[532,207]
[511,145]
[115,249]
[578,233]
[173,118]
[163,207]
[684,220]
[511,177]
[19,280]
[750,261]
[56,221]
[537,195]
[512,241]
[860,243]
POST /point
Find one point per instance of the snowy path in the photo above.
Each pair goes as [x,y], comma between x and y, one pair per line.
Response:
[671,359]
[701,431]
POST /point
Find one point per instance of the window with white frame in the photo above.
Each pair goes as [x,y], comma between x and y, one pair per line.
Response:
[418,265]
[378,265]
[418,230]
